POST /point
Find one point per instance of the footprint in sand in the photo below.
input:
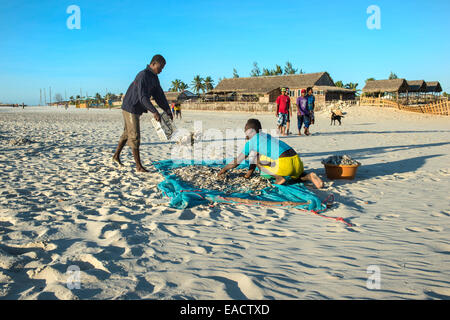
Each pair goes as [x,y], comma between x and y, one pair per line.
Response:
[239,286]
[435,229]
[273,233]
[182,233]
[415,229]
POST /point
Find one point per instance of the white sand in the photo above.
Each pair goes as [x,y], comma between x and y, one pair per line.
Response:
[63,203]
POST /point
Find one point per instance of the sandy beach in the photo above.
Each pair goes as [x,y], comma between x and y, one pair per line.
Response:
[64,204]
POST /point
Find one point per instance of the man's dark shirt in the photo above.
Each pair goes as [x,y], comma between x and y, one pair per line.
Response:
[145,85]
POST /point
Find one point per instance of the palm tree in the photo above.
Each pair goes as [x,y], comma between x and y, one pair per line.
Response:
[289,69]
[71,99]
[235,74]
[175,85]
[351,86]
[209,83]
[256,72]
[392,76]
[183,86]
[277,71]
[197,84]
[266,72]
[98,97]
[339,84]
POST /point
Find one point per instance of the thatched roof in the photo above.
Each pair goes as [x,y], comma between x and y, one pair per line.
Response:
[395,85]
[174,96]
[333,89]
[433,86]
[265,84]
[416,85]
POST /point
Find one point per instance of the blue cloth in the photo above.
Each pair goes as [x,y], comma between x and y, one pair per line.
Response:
[303,120]
[145,85]
[311,102]
[182,195]
[265,144]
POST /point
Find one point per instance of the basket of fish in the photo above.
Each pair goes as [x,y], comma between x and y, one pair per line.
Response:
[340,167]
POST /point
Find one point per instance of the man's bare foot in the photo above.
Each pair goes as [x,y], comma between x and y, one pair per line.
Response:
[299,133]
[280,180]
[318,183]
[141,169]
[117,160]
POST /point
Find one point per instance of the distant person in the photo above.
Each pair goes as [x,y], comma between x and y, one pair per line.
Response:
[273,157]
[66,105]
[311,103]
[283,102]
[23,105]
[177,109]
[137,101]
[302,113]
[288,121]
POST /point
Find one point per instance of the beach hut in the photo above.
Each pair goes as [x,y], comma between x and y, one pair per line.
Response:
[433,89]
[386,88]
[267,88]
[416,89]
[178,96]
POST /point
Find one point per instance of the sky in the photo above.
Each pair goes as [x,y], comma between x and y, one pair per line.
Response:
[117,39]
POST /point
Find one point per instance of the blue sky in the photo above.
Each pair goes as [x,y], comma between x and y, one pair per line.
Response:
[210,38]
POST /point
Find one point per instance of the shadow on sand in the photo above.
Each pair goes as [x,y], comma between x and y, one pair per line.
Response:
[366,152]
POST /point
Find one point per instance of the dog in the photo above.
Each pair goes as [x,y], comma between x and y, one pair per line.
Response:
[336,117]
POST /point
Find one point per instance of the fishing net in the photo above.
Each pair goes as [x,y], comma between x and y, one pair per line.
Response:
[190,183]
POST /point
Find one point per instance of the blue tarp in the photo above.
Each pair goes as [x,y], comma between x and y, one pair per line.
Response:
[184,195]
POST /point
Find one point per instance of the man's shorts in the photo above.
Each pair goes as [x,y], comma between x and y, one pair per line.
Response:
[282,119]
[285,167]
[131,132]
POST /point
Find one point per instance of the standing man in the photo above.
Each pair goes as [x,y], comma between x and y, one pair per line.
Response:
[288,121]
[311,103]
[282,113]
[302,113]
[137,101]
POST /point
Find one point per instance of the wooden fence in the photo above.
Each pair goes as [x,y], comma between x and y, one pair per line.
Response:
[441,107]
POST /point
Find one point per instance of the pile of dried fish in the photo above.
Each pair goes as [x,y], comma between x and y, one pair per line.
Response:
[204,177]
[340,160]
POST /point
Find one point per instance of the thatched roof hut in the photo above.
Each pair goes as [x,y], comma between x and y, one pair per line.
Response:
[433,87]
[333,89]
[381,86]
[416,86]
[266,84]
[176,96]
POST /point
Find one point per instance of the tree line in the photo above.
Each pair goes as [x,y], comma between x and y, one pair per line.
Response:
[198,85]
[98,98]
[276,71]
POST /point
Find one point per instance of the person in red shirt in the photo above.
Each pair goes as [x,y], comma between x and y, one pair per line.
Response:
[282,113]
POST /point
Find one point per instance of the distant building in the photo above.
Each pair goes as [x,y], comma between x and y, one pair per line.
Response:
[433,87]
[268,88]
[177,96]
[410,90]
